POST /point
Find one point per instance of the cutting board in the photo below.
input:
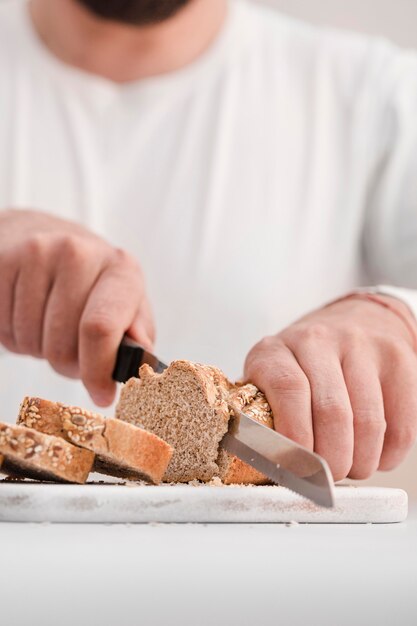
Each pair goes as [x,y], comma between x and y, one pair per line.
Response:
[135,503]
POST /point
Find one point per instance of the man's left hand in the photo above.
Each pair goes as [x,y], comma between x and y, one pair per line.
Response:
[343,381]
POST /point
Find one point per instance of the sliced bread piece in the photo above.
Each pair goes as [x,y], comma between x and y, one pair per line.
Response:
[121,449]
[29,454]
[188,406]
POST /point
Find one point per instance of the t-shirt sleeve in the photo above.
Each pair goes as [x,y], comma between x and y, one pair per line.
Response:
[390,229]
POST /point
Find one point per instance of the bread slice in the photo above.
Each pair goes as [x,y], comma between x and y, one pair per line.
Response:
[121,449]
[188,406]
[29,454]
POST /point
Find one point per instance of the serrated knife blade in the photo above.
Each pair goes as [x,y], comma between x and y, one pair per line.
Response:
[283,461]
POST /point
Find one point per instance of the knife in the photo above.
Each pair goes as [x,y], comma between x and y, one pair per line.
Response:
[282,460]
[130,356]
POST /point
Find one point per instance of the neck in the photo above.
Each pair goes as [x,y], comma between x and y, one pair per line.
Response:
[124,53]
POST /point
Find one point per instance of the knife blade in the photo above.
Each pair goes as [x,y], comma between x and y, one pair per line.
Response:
[282,460]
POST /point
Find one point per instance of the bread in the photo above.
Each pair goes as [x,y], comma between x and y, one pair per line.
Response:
[253,402]
[121,449]
[188,406]
[29,454]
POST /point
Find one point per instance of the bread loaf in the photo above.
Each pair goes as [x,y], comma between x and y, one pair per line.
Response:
[121,449]
[29,454]
[188,406]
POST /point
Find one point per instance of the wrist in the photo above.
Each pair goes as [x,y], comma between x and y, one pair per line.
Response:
[396,307]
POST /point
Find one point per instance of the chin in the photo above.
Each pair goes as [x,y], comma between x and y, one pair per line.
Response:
[135,12]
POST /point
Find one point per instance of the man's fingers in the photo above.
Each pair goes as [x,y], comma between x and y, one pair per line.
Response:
[111,309]
[362,380]
[277,373]
[331,408]
[138,331]
[142,329]
[9,270]
[30,297]
[76,273]
[399,388]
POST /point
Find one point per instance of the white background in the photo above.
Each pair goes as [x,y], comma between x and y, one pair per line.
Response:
[396,19]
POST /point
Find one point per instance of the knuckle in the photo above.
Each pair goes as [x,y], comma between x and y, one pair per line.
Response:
[398,351]
[60,355]
[355,336]
[401,438]
[313,332]
[286,381]
[59,346]
[98,326]
[37,246]
[121,257]
[266,344]
[301,435]
[68,370]
[257,353]
[79,251]
[369,421]
[73,248]
[330,411]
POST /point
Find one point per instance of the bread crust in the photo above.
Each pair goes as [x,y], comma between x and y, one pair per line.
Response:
[121,449]
[30,454]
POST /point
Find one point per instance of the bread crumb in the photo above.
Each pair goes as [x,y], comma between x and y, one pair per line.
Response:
[216,482]
[192,483]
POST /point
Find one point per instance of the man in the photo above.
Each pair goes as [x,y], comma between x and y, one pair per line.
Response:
[233,170]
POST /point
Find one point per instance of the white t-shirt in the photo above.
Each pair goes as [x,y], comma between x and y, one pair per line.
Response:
[270,176]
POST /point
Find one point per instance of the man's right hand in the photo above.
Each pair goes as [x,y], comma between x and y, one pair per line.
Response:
[68,297]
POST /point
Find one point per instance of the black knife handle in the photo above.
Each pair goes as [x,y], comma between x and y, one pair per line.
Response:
[129,359]
[130,356]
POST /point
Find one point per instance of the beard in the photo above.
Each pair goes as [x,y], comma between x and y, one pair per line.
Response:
[136,12]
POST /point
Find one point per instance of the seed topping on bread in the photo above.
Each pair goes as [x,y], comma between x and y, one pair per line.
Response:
[78,424]
[253,402]
[29,445]
[121,449]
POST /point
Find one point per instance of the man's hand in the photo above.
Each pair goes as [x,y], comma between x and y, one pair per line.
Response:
[68,296]
[343,381]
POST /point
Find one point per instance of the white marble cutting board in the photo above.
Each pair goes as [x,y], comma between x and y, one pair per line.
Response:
[133,503]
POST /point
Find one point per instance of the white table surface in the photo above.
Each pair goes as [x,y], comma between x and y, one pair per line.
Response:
[261,575]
